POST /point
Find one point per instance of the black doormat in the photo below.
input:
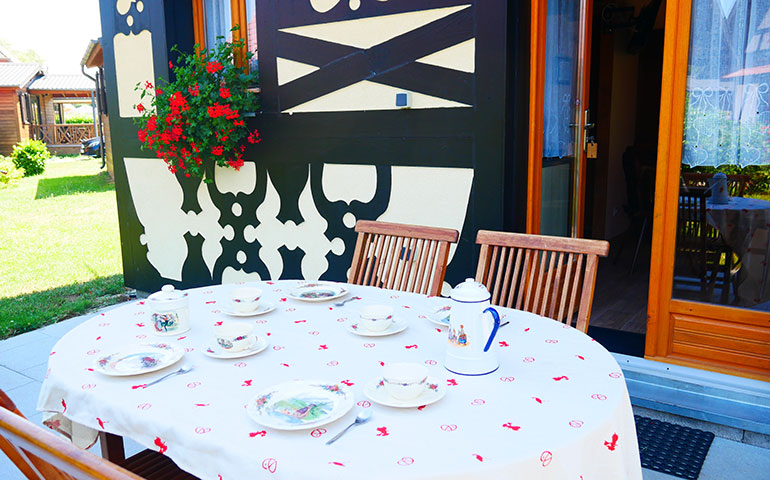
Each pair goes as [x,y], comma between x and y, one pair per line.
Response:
[672,449]
[618,341]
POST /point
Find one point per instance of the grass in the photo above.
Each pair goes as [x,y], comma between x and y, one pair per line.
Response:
[59,245]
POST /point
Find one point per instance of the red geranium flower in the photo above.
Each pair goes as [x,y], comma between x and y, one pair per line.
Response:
[147,84]
[224,92]
[218,150]
[213,67]
[193,90]
[140,108]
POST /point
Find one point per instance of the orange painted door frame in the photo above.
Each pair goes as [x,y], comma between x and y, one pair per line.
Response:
[538,31]
[711,337]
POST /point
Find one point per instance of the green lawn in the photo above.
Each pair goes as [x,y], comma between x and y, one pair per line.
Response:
[59,245]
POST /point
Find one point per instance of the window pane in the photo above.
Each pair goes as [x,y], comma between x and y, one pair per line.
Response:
[218,20]
[251,32]
[723,228]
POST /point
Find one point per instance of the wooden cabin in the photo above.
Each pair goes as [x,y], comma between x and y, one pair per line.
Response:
[31,106]
[519,117]
[17,110]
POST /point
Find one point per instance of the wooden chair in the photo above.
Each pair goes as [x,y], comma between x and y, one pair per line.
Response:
[402,257]
[42,455]
[541,274]
[736,184]
[701,252]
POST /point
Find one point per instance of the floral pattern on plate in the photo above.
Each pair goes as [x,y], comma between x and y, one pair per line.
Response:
[215,351]
[139,359]
[318,291]
[300,404]
[434,391]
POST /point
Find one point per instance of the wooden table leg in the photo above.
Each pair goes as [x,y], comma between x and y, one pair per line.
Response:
[112,447]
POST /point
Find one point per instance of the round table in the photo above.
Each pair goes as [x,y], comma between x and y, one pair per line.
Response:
[743,223]
[556,408]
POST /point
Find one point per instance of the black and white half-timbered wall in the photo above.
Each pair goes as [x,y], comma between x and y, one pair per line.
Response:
[335,147]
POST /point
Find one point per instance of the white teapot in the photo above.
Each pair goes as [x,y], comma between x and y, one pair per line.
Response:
[470,348]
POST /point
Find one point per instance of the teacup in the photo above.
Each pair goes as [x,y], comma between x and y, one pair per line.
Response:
[245,299]
[376,318]
[234,337]
[404,381]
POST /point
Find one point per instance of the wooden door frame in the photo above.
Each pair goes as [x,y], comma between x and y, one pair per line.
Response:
[538,17]
[663,311]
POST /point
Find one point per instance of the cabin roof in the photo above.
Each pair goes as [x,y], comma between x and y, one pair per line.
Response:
[70,83]
[18,74]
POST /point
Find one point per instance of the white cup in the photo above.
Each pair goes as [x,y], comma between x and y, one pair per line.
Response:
[245,299]
[376,318]
[234,337]
[404,381]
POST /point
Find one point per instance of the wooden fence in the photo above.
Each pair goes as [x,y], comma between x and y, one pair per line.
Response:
[65,134]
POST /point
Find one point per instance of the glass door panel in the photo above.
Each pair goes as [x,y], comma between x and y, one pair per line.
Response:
[723,227]
[563,116]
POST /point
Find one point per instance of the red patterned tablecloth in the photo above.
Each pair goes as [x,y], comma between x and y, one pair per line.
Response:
[556,408]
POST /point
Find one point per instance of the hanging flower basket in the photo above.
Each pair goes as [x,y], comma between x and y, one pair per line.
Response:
[198,118]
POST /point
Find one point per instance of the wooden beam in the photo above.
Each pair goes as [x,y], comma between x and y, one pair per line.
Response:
[536,103]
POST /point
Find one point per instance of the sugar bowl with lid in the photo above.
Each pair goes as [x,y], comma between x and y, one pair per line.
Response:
[170,311]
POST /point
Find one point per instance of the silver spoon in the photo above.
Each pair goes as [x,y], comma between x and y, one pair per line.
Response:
[362,417]
[340,304]
[181,371]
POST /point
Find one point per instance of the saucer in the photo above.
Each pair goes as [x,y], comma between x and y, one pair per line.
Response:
[262,308]
[215,351]
[375,391]
[398,325]
[440,316]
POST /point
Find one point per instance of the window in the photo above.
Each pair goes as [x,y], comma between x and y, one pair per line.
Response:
[30,108]
[215,18]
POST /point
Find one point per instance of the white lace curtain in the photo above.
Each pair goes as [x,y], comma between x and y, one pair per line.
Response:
[218,20]
[727,118]
[560,58]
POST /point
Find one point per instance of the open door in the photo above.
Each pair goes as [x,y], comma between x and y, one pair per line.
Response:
[709,301]
[559,119]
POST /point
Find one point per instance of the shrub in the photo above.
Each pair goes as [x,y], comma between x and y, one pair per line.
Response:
[30,155]
[8,171]
[79,119]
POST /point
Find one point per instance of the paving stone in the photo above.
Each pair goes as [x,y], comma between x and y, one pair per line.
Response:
[648,474]
[28,355]
[11,379]
[756,439]
[36,372]
[19,340]
[728,459]
[25,398]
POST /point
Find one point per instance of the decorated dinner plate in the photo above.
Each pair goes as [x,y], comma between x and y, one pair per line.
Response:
[434,391]
[318,291]
[440,316]
[300,404]
[398,325]
[262,308]
[215,351]
[139,359]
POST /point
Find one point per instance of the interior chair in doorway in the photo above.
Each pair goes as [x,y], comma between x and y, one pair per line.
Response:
[410,258]
[549,276]
[42,455]
[701,252]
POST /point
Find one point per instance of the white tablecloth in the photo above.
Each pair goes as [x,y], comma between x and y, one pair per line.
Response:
[556,408]
[745,224]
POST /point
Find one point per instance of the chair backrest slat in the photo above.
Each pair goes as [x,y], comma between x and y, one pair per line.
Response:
[41,454]
[402,257]
[550,276]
